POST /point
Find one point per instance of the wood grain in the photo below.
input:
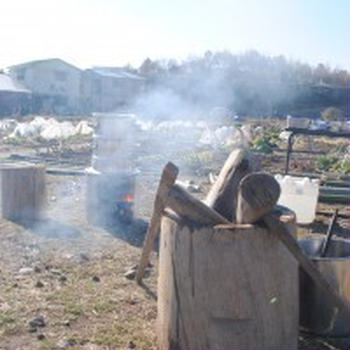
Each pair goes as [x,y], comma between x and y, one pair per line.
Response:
[225,288]
[23,193]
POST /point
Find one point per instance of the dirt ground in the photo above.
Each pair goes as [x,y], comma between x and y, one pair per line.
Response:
[72,274]
[67,275]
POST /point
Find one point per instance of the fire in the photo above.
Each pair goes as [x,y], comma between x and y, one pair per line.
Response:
[128,197]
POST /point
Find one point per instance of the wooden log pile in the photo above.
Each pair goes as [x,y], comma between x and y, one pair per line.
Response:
[240,198]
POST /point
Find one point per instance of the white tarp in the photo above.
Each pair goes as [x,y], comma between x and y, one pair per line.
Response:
[56,130]
[83,128]
[50,129]
[24,130]
[8,124]
[224,136]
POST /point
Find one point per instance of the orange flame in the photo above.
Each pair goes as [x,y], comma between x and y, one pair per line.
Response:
[128,197]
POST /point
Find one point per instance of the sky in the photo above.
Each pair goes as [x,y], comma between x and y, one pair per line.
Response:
[117,32]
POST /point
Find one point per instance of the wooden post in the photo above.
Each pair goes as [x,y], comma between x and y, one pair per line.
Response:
[22,192]
[191,208]
[225,288]
[289,151]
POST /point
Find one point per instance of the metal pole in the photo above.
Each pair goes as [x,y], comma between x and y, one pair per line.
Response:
[329,234]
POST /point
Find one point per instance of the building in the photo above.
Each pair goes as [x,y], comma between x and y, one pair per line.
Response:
[15,99]
[55,85]
[60,88]
[105,89]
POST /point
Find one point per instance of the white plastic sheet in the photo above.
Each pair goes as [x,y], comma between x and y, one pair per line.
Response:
[50,128]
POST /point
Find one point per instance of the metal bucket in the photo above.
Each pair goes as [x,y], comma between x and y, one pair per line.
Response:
[110,197]
[316,315]
[115,143]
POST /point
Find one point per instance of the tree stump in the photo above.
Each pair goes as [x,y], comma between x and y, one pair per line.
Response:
[226,288]
[23,192]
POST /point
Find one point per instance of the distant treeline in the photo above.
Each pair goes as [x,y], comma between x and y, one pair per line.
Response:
[251,83]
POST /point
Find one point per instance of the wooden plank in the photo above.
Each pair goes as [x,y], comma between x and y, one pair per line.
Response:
[192,208]
[167,179]
[225,288]
[310,132]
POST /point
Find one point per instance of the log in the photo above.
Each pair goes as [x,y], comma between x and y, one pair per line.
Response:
[191,208]
[225,287]
[249,212]
[259,193]
[223,194]
[167,179]
[23,193]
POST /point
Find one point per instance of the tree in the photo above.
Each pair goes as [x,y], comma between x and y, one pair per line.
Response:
[149,67]
[332,114]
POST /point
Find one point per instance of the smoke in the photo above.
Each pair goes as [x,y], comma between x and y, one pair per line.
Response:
[248,84]
[181,96]
[162,103]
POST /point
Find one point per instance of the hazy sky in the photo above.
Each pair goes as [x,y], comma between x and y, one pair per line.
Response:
[114,32]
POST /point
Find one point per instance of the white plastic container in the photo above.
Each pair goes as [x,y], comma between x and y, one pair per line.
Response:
[300,195]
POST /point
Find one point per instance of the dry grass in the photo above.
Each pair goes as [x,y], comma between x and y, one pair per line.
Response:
[111,313]
[85,299]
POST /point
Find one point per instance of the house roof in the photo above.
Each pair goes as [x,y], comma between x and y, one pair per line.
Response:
[116,72]
[37,62]
[10,85]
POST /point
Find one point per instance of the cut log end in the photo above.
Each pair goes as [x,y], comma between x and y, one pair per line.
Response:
[257,195]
